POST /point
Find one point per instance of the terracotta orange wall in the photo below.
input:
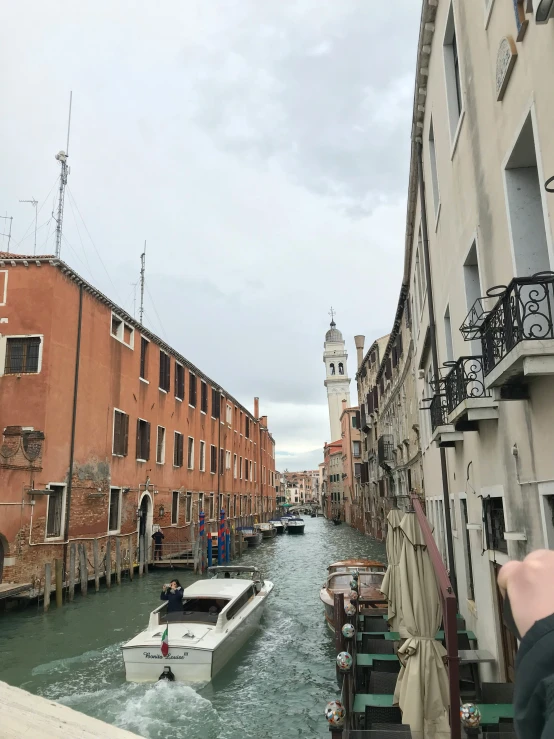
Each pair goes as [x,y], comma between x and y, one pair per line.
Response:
[41,300]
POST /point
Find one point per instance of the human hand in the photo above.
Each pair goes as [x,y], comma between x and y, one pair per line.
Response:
[530,587]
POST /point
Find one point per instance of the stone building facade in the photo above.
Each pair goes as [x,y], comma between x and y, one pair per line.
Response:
[107,430]
[479,256]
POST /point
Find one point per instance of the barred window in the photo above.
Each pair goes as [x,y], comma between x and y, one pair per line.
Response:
[22,355]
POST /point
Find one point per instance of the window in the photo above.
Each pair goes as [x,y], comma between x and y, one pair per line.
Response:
[215,403]
[190,455]
[240,603]
[114,514]
[354,422]
[247,427]
[525,211]
[235,466]
[175,507]
[202,456]
[203,397]
[357,448]
[246,469]
[120,433]
[433,163]
[332,368]
[178,449]
[165,371]
[227,460]
[143,440]
[472,284]
[255,472]
[160,445]
[179,381]
[240,468]
[467,549]
[229,416]
[341,368]
[452,73]
[54,515]
[448,335]
[188,507]
[192,390]
[494,524]
[213,459]
[222,461]
[22,355]
[547,504]
[143,357]
[210,513]
[122,331]
[240,424]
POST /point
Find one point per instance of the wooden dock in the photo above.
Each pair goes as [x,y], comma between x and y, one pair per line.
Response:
[9,590]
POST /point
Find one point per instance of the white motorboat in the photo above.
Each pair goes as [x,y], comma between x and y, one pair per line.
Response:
[295,526]
[278,525]
[219,616]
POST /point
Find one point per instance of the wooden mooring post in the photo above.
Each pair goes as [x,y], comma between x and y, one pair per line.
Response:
[47,585]
[71,591]
[141,556]
[108,563]
[131,559]
[96,562]
[83,569]
[118,560]
[59,582]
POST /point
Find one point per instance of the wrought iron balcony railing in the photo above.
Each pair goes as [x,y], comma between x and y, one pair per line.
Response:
[385,446]
[438,411]
[524,311]
[465,380]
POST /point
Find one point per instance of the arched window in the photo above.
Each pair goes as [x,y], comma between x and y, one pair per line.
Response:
[341,368]
[332,368]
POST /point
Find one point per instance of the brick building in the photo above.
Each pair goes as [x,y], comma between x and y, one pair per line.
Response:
[351,459]
[107,430]
[332,502]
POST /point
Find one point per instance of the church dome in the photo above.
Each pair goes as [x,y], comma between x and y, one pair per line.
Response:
[333,334]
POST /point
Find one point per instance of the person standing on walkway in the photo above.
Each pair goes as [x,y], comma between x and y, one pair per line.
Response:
[530,588]
[158,537]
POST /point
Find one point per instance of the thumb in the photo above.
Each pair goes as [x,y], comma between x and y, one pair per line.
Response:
[507,574]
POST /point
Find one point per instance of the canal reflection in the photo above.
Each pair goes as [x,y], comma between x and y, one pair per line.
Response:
[276,687]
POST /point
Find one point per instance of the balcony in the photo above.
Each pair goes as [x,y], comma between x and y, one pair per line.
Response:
[467,399]
[517,332]
[365,423]
[385,446]
[444,434]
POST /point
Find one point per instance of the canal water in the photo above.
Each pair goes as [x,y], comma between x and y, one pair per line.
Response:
[276,687]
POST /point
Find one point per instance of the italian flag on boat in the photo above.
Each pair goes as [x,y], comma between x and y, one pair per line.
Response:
[165,643]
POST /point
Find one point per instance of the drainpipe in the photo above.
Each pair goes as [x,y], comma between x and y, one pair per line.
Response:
[435,359]
[73,425]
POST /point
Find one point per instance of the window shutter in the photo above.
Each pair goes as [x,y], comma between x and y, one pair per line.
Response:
[147,450]
[181,449]
[125,434]
[370,402]
[375,398]
[358,420]
[117,433]
[139,450]
[399,345]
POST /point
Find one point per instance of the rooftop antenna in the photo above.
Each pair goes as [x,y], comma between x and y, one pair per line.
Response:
[9,234]
[34,203]
[62,157]
[142,267]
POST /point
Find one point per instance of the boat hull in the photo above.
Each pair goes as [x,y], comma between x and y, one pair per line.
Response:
[269,533]
[292,529]
[254,540]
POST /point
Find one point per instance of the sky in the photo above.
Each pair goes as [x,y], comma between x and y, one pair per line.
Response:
[260,148]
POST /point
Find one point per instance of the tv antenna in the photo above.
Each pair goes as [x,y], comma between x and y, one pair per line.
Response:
[62,157]
[142,269]
[9,234]
[34,203]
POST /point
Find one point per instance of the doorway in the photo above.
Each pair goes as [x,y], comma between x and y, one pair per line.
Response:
[145,526]
[508,640]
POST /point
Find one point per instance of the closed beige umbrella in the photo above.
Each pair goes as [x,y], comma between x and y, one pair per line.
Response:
[390,586]
[422,686]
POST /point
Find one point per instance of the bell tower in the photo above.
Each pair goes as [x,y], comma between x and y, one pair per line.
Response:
[337,381]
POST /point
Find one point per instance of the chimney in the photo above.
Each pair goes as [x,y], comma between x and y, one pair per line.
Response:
[256,408]
[360,348]
[263,421]
[343,404]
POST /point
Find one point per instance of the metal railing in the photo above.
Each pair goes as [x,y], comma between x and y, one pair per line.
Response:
[385,446]
[465,380]
[438,411]
[524,311]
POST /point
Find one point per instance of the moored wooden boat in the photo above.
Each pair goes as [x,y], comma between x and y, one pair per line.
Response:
[252,536]
[370,578]
[268,530]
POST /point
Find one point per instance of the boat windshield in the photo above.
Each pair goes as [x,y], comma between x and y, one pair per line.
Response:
[339,581]
[196,610]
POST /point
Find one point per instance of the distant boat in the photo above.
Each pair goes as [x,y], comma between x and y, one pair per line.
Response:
[251,536]
[277,525]
[295,526]
[268,530]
